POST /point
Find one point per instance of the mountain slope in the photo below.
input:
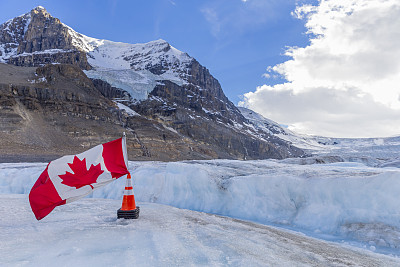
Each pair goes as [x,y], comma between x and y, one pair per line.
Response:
[54,110]
[266,127]
[171,91]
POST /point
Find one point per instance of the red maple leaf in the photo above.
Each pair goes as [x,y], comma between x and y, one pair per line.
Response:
[81,175]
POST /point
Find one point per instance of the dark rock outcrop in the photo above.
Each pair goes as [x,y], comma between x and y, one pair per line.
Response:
[76,58]
[109,91]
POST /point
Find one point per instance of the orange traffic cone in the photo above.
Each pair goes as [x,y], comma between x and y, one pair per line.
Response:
[128,209]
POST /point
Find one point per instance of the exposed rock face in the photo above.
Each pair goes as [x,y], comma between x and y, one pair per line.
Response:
[202,93]
[39,59]
[45,32]
[55,110]
[170,104]
[217,101]
[109,91]
[48,108]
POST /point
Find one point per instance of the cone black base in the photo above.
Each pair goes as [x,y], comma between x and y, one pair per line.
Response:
[128,214]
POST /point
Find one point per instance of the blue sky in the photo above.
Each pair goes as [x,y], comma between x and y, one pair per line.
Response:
[235,40]
[322,67]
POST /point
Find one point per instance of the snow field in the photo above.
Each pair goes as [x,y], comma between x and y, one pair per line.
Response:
[87,233]
[348,200]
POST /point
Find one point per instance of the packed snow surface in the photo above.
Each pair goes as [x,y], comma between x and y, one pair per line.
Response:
[87,233]
[340,200]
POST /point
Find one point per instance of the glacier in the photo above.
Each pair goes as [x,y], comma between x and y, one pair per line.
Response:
[342,201]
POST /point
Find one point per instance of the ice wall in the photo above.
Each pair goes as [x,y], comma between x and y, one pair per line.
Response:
[340,199]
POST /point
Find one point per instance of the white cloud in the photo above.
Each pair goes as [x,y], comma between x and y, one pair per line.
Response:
[346,113]
[346,82]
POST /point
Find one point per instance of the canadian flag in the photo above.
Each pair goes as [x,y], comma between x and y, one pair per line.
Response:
[73,177]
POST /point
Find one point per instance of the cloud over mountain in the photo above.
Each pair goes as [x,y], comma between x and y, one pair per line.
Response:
[346,82]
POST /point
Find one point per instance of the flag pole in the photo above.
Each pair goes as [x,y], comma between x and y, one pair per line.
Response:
[125,149]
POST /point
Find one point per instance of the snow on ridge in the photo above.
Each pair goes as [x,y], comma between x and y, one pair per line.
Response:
[10,49]
[7,53]
[126,66]
[83,42]
[39,8]
[104,54]
[113,55]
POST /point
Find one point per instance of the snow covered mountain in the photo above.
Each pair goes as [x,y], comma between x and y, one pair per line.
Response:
[371,151]
[36,38]
[33,39]
[165,89]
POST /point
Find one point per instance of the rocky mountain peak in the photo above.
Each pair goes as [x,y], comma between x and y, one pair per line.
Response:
[44,32]
[39,9]
[37,38]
